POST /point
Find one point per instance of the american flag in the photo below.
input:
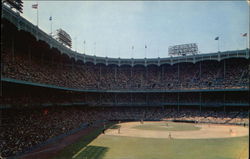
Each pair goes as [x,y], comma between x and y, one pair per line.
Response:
[35,6]
[244,34]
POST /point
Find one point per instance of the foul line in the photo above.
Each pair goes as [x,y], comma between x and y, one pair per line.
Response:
[78,152]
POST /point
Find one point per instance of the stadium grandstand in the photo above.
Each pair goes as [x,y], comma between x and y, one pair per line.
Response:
[48,90]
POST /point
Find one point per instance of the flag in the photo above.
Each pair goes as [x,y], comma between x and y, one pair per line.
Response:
[50,18]
[244,34]
[35,6]
[217,38]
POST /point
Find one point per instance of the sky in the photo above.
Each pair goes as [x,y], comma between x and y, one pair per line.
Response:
[111,28]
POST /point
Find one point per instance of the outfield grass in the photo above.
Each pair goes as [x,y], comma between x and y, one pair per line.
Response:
[167,126]
[82,143]
[121,147]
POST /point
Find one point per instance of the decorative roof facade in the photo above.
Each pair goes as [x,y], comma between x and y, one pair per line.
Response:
[23,24]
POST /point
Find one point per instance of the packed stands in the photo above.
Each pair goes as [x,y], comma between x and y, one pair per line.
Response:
[213,91]
[226,74]
[24,128]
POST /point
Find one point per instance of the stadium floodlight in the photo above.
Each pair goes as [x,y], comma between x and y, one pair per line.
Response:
[63,37]
[184,49]
[16,4]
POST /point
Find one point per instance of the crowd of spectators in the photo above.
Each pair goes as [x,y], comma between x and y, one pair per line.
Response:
[231,73]
[210,116]
[24,128]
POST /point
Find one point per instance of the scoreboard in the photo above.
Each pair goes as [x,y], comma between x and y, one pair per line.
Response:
[184,49]
[63,37]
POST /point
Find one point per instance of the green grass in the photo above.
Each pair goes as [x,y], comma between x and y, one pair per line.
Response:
[171,126]
[72,149]
[119,147]
[91,152]
[147,148]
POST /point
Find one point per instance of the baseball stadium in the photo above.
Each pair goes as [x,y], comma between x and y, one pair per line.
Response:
[58,103]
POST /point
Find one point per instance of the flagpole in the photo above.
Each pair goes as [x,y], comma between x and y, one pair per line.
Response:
[218,45]
[51,25]
[84,42]
[37,17]
[244,35]
[119,52]
[246,42]
[94,48]
[106,52]
[132,53]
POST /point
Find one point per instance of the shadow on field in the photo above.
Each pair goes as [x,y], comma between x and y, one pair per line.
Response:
[80,146]
[92,152]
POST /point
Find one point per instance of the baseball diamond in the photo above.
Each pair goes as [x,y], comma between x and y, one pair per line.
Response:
[92,80]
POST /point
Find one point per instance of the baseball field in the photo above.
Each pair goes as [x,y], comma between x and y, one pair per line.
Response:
[162,140]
